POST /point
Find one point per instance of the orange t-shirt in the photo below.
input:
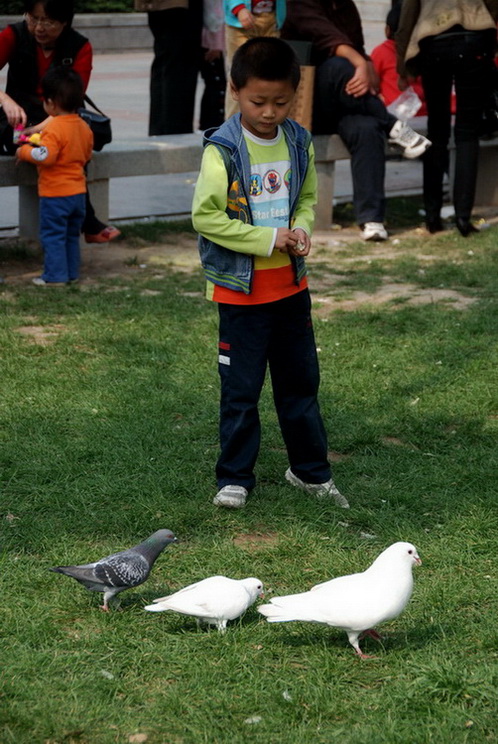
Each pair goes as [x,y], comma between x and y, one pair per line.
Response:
[65,147]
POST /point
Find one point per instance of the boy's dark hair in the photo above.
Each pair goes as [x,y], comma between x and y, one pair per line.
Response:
[56,10]
[392,19]
[64,87]
[266,58]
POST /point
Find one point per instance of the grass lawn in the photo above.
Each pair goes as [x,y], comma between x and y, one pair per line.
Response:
[108,431]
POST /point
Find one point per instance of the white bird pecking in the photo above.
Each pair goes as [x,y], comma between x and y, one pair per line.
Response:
[214,600]
[354,603]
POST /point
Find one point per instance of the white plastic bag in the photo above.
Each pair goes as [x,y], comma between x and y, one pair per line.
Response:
[406,105]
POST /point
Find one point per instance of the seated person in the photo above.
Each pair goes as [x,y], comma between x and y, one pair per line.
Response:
[347,102]
[384,61]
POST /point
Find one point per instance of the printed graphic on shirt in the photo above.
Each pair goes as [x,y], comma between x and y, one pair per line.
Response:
[39,154]
[237,203]
[269,193]
[263,6]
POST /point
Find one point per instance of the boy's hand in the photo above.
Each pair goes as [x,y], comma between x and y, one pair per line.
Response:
[303,246]
[286,240]
[246,19]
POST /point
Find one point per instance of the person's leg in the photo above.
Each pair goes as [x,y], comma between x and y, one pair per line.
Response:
[295,380]
[53,235]
[243,343]
[94,230]
[234,38]
[366,141]
[473,78]
[437,80]
[173,76]
[212,112]
[74,222]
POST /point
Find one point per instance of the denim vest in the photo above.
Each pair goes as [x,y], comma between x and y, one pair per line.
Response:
[223,266]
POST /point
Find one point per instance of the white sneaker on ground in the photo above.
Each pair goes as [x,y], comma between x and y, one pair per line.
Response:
[233,497]
[412,143]
[374,231]
[321,491]
[39,282]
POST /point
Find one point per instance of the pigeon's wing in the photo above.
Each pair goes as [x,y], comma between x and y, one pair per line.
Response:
[338,583]
[214,597]
[125,569]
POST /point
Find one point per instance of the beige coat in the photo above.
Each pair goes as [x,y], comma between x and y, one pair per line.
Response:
[423,18]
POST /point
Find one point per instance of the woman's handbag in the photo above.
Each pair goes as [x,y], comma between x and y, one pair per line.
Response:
[99,123]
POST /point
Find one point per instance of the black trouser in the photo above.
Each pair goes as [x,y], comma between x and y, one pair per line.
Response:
[363,124]
[213,99]
[464,60]
[279,335]
[173,75]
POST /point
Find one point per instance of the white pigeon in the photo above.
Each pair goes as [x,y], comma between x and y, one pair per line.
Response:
[213,601]
[354,603]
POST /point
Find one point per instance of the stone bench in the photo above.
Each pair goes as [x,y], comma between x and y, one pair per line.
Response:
[182,154]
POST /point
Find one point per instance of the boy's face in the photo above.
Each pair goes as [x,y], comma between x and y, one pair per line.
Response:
[264,104]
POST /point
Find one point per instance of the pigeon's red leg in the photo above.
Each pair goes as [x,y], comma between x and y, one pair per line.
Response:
[104,607]
[372,633]
[365,656]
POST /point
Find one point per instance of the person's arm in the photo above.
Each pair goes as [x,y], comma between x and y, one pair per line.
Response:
[304,216]
[211,220]
[83,63]
[45,154]
[15,114]
[410,11]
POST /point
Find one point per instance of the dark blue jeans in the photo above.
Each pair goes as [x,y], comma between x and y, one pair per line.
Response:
[279,335]
[465,60]
[61,218]
[363,124]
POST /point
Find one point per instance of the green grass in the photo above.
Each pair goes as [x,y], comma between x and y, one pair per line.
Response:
[109,431]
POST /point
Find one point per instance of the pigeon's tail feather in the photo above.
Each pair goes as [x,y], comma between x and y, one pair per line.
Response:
[285,614]
[155,608]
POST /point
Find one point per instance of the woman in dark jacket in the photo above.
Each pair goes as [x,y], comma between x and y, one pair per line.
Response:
[449,42]
[44,39]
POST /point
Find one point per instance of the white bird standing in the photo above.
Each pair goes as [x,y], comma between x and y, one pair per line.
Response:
[354,603]
[213,601]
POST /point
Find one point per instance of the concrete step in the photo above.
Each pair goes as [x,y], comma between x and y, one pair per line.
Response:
[373,11]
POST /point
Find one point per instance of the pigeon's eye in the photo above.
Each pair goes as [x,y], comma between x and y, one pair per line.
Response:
[410,552]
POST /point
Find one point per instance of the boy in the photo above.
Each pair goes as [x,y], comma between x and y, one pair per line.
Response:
[65,147]
[257,178]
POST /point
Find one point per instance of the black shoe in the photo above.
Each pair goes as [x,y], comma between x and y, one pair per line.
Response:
[434,226]
[465,227]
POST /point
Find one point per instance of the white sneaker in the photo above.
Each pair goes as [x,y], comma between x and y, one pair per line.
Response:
[39,282]
[412,143]
[374,231]
[233,497]
[321,491]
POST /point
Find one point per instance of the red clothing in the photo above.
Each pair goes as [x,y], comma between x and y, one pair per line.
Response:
[82,62]
[384,60]
[65,147]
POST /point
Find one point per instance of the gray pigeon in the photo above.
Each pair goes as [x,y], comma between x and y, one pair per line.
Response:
[120,571]
[357,602]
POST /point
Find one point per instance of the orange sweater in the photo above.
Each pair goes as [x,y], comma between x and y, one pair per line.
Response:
[65,147]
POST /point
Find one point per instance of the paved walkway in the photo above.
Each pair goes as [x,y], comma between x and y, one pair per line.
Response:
[120,86]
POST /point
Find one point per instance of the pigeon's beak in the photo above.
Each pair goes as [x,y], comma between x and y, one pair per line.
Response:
[418,562]
[261,594]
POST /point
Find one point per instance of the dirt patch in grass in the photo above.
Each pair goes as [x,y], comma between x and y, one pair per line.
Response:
[41,335]
[256,540]
[333,251]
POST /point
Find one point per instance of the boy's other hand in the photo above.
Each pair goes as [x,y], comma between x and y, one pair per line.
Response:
[246,19]
[286,240]
[303,246]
